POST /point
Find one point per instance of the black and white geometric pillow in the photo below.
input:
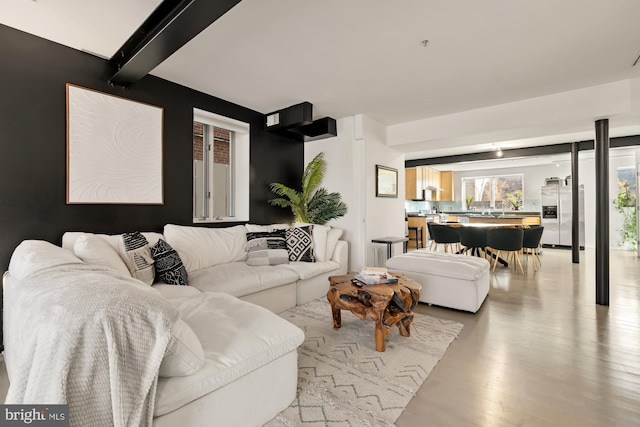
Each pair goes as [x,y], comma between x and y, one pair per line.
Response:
[300,243]
[138,257]
[169,266]
[267,248]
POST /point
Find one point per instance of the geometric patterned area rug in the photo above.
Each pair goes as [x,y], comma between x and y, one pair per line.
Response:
[344,381]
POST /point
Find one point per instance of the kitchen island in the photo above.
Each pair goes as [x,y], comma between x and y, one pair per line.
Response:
[497,217]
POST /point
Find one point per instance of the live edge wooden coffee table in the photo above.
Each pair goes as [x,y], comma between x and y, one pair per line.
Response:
[386,304]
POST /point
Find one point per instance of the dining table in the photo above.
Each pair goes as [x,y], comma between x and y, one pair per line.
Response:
[483,225]
[487,225]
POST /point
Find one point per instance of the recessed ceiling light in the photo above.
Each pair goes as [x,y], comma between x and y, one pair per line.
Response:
[425,43]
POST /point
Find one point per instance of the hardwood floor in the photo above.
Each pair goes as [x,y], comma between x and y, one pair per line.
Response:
[540,352]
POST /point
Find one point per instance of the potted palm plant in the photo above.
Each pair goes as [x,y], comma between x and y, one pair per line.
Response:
[312,204]
[625,203]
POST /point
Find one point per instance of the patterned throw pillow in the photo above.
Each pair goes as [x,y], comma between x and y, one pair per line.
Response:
[267,248]
[300,243]
[169,266]
[139,259]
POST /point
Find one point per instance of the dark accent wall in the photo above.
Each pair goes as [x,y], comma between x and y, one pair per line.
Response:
[33,74]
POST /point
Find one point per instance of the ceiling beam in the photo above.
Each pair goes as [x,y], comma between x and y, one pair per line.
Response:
[169,27]
[543,150]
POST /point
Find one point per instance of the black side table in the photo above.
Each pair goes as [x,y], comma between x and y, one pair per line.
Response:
[389,241]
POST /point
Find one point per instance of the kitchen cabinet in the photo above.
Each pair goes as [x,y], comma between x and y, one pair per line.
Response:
[417,179]
[446,183]
[410,181]
[414,183]
[434,177]
[430,178]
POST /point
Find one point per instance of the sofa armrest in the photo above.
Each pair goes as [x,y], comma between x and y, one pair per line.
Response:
[341,255]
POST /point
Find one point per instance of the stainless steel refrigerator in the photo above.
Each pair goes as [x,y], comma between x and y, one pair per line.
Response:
[557,215]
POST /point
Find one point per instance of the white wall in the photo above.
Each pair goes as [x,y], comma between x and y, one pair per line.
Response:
[384,216]
[351,158]
[344,156]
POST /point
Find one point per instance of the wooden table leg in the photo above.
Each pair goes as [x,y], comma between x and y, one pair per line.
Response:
[404,325]
[381,333]
[337,317]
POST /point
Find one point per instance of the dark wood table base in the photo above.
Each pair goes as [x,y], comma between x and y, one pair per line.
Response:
[385,304]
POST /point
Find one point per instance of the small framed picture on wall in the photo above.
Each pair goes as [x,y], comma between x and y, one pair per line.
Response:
[386,181]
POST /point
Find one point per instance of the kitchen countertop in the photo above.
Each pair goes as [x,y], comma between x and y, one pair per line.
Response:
[495,214]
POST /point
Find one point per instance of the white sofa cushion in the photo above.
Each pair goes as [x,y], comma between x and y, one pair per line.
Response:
[173,291]
[306,270]
[115,240]
[95,250]
[239,279]
[184,354]
[237,338]
[33,256]
[333,236]
[201,247]
[255,228]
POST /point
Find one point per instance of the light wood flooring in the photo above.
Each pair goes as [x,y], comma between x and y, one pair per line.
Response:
[539,352]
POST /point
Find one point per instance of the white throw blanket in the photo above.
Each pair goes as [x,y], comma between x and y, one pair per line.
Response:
[91,339]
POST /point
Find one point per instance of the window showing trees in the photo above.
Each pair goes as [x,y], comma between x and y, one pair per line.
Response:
[495,192]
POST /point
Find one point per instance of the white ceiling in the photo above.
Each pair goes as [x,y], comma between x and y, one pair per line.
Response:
[366,56]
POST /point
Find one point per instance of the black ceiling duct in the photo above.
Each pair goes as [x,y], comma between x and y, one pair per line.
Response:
[296,121]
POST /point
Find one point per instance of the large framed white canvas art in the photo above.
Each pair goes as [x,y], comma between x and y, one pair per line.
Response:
[114,149]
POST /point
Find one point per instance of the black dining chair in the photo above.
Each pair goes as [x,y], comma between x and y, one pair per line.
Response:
[507,240]
[531,242]
[430,242]
[474,239]
[445,235]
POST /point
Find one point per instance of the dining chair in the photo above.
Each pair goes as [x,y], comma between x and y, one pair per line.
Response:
[446,235]
[531,242]
[430,242]
[474,239]
[507,240]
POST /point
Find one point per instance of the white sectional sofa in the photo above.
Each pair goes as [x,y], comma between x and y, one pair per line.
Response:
[213,356]
[215,259]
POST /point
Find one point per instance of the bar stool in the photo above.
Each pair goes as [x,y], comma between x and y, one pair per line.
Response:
[417,230]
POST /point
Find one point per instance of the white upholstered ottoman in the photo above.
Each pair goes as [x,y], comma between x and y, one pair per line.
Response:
[449,280]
